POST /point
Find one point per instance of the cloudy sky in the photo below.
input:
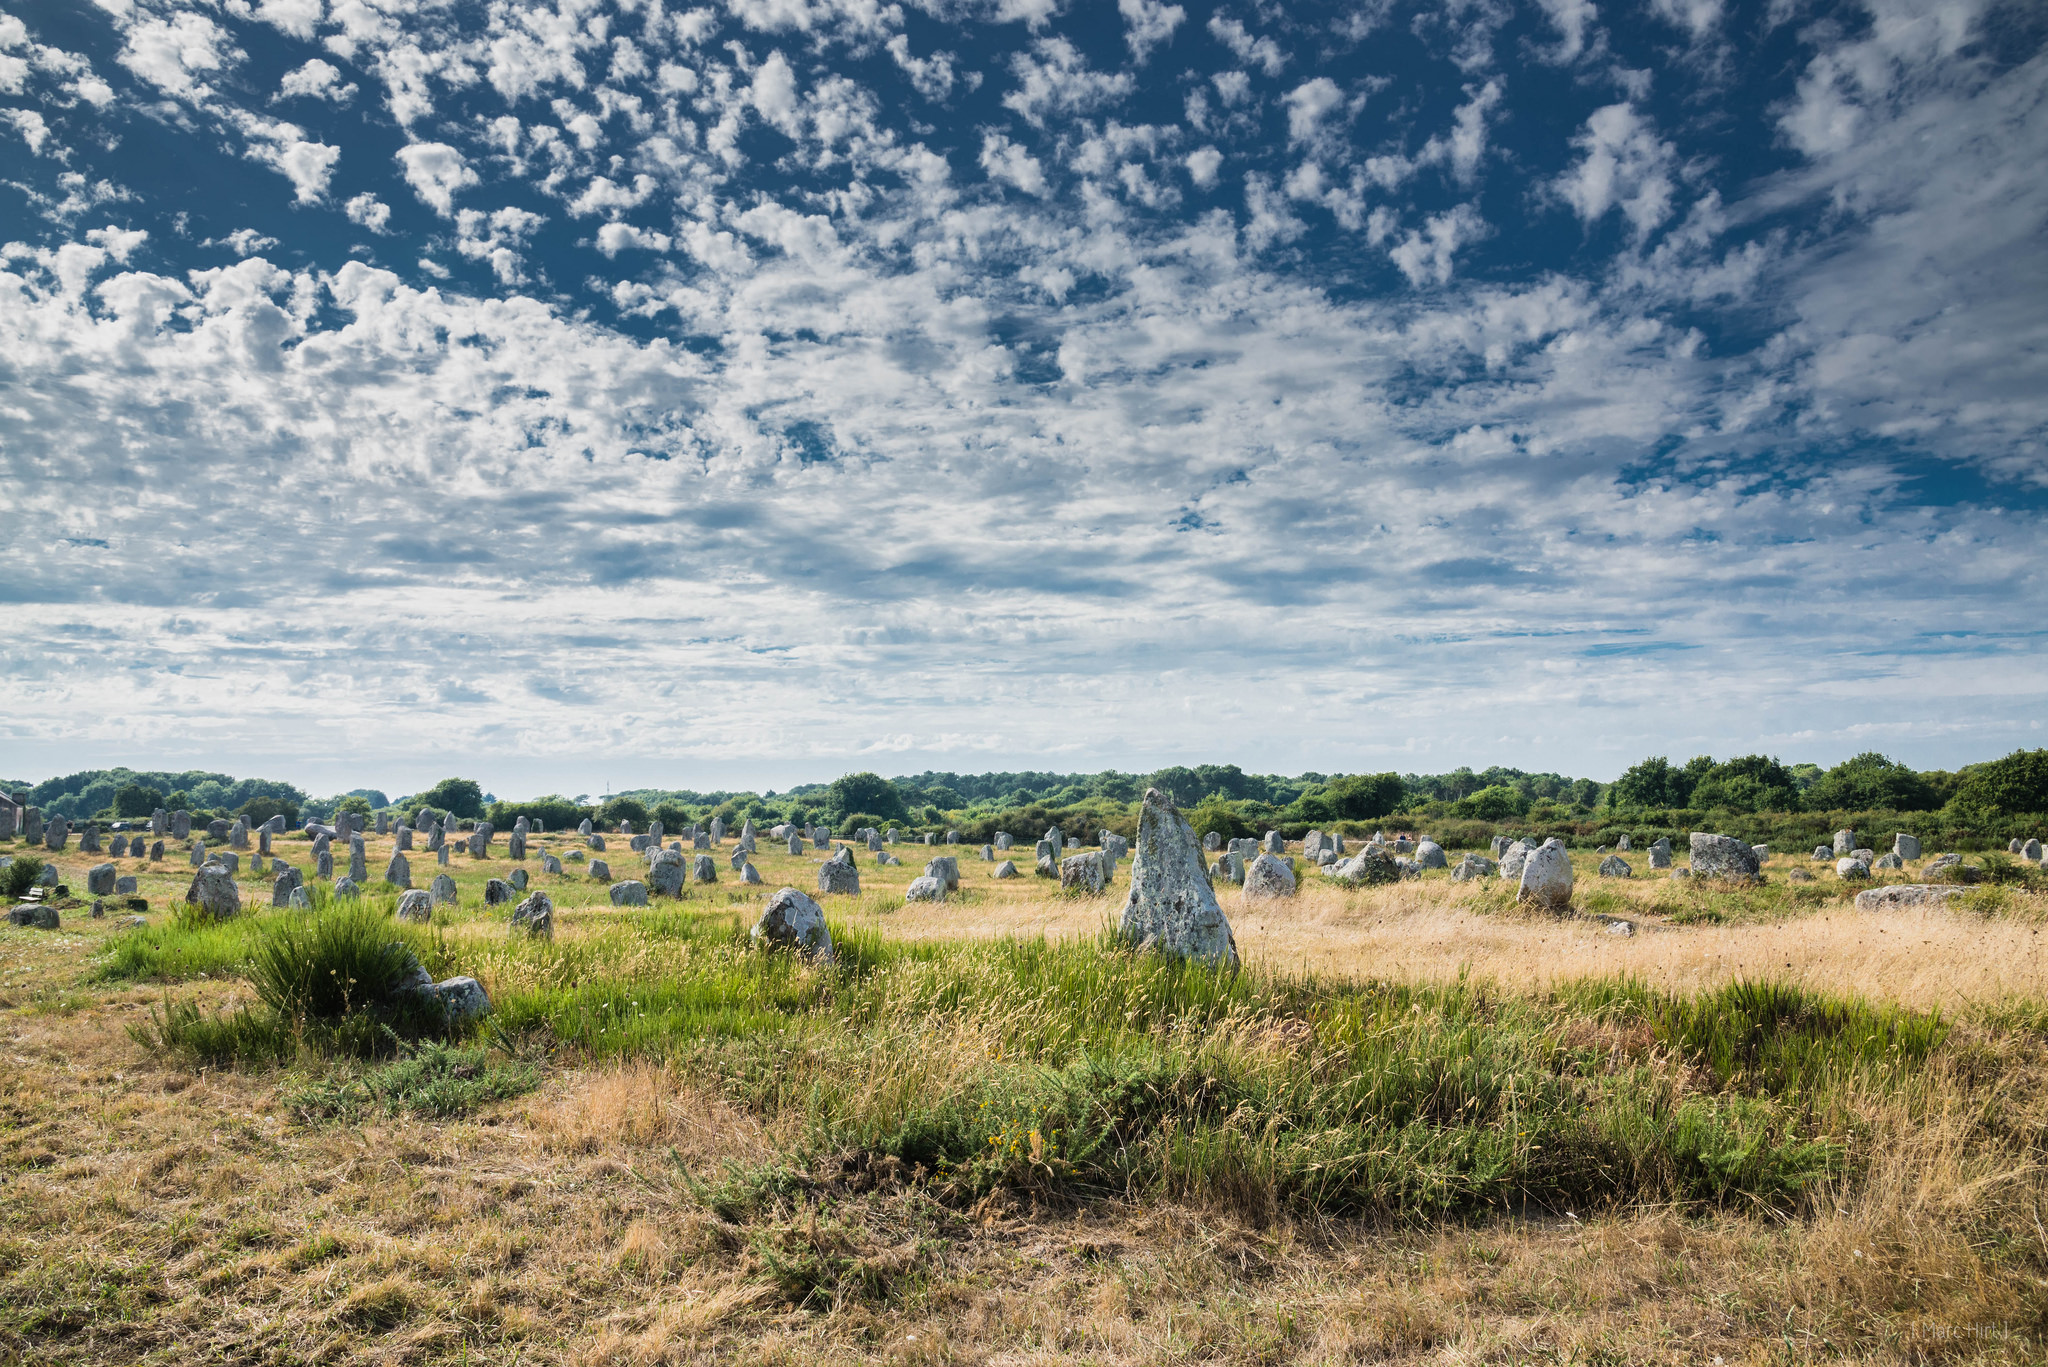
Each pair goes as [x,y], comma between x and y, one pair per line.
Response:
[572,394]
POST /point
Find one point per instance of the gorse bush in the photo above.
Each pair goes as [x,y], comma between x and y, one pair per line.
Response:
[17,878]
[348,968]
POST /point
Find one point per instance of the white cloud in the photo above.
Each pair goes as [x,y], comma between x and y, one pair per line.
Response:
[498,237]
[1006,161]
[317,80]
[297,18]
[1623,165]
[1697,17]
[932,76]
[1056,79]
[30,125]
[1203,163]
[1571,19]
[285,147]
[1307,103]
[1148,23]
[1234,86]
[1263,53]
[773,94]
[171,54]
[614,238]
[436,172]
[1426,257]
[1035,14]
[244,242]
[368,211]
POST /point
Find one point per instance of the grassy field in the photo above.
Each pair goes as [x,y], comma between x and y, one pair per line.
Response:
[1685,1124]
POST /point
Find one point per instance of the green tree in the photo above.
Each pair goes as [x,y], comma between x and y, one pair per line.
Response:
[133,799]
[1214,813]
[865,792]
[1501,802]
[358,805]
[1364,797]
[623,809]
[1749,783]
[2011,786]
[1869,782]
[462,796]
[260,809]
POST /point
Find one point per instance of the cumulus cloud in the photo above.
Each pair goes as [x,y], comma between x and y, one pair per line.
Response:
[1148,23]
[436,172]
[1623,165]
[1426,256]
[175,54]
[1054,78]
[1006,161]
[317,80]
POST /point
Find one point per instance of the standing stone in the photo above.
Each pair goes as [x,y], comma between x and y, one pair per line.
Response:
[1006,869]
[198,853]
[442,890]
[181,825]
[1430,855]
[1274,843]
[441,855]
[401,838]
[515,845]
[229,860]
[1849,868]
[358,863]
[57,834]
[159,823]
[398,873]
[383,823]
[701,840]
[748,873]
[838,875]
[1845,841]
[1056,840]
[1512,858]
[124,886]
[1473,866]
[654,833]
[1614,866]
[480,840]
[988,854]
[550,864]
[1115,847]
[156,851]
[263,840]
[535,916]
[1004,841]
[946,868]
[1171,906]
[1267,879]
[416,905]
[1546,876]
[596,842]
[497,890]
[600,871]
[2031,850]
[346,887]
[119,849]
[1500,845]
[99,880]
[1906,846]
[89,839]
[1622,844]
[1723,856]
[793,920]
[705,869]
[323,864]
[747,836]
[521,826]
[1762,853]
[213,891]
[925,889]
[717,831]
[583,826]
[796,844]
[665,873]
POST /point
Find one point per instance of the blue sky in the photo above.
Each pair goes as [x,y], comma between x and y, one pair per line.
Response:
[638,393]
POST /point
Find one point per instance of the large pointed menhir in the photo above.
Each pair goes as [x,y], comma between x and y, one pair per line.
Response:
[1171,906]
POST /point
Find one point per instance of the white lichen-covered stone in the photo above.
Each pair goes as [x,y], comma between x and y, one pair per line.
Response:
[1851,868]
[1723,856]
[793,920]
[629,893]
[213,891]
[1081,875]
[925,889]
[1267,879]
[1614,866]
[535,916]
[416,905]
[1546,879]
[1902,896]
[1171,906]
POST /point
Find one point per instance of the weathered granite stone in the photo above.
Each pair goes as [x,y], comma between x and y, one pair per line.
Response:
[1889,860]
[323,865]
[281,890]
[748,873]
[1273,843]
[1799,876]
[2031,850]
[747,837]
[631,893]
[550,864]
[515,845]
[1430,855]
[535,916]
[34,916]
[1267,879]
[1823,853]
[496,892]
[1081,874]
[794,921]
[665,873]
[1171,905]
[1546,876]
[464,999]
[1845,841]
[1511,860]
[442,890]
[441,856]
[480,840]
[99,880]
[600,870]
[57,834]
[1622,845]
[1006,869]
[596,842]
[1906,846]
[517,878]
[213,891]
[1901,896]
[358,861]
[238,835]
[1500,845]
[1723,856]
[119,848]
[347,887]
[124,885]
[583,826]
[796,844]
[1762,853]
[1473,866]
[705,869]
[416,905]
[925,889]
[1850,868]
[398,873]
[945,867]
[89,839]
[1614,866]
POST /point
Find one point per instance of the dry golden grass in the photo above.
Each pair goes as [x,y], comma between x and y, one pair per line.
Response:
[151,1214]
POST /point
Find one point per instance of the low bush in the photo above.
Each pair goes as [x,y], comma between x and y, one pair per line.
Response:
[17,878]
